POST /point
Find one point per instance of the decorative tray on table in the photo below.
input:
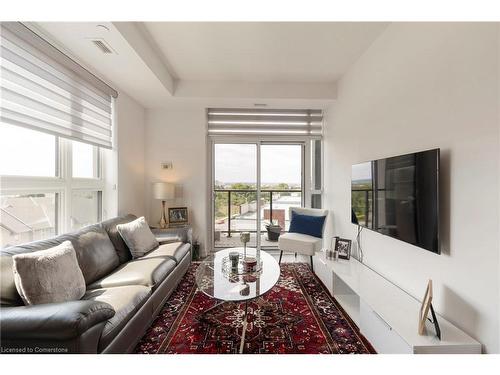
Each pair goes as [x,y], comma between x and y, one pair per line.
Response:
[241,269]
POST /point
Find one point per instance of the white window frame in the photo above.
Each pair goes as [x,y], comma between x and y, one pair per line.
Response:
[62,184]
[312,175]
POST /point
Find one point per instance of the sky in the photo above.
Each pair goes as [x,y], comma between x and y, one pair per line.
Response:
[238,163]
[362,171]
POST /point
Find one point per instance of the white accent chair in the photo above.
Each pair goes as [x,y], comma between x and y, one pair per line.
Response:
[299,243]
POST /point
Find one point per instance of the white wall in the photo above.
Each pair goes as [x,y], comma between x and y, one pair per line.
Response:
[178,136]
[421,86]
[130,120]
[498,120]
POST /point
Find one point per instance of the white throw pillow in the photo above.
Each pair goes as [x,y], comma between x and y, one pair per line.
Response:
[49,276]
[138,237]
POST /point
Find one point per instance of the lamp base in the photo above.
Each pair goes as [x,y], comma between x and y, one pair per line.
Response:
[163,220]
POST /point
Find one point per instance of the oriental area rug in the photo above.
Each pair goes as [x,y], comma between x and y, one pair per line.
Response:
[297,316]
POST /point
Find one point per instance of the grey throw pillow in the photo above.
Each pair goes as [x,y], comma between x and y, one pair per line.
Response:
[49,276]
[138,237]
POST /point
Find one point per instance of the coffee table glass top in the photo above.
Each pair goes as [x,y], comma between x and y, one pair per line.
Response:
[224,286]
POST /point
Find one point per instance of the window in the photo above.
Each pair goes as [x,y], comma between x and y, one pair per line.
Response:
[316,173]
[24,152]
[49,185]
[27,217]
[85,208]
[57,118]
[85,163]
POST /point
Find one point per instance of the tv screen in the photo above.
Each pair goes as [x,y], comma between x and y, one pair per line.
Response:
[399,197]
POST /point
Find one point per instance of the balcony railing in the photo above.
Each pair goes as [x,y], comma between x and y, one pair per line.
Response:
[247,201]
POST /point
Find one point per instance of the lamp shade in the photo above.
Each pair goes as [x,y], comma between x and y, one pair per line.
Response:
[163,190]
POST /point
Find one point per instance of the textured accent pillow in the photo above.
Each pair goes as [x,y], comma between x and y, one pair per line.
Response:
[138,237]
[307,224]
[49,276]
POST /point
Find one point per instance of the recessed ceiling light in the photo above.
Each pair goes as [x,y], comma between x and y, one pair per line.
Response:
[102,27]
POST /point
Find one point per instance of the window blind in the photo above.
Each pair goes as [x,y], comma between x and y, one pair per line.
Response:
[45,90]
[286,122]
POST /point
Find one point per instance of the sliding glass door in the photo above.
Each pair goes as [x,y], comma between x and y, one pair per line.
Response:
[234,193]
[281,185]
[253,186]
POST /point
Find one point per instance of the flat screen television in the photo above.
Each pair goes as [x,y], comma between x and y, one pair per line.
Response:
[399,197]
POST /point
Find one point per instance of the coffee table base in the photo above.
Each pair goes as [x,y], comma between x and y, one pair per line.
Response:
[244,328]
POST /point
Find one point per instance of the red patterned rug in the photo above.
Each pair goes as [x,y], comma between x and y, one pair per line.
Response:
[297,316]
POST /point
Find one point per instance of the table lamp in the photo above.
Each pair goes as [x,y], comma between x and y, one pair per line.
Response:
[163,191]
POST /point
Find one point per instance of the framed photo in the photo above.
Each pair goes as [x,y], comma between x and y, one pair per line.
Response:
[424,309]
[177,216]
[343,248]
[436,323]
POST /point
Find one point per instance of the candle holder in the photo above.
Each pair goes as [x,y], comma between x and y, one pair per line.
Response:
[245,238]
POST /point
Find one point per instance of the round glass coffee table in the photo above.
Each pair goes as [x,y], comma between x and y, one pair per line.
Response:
[213,279]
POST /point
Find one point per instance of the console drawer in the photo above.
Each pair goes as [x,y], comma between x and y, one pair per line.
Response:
[381,335]
[323,271]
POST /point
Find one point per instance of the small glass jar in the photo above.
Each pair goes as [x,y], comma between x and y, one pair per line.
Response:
[234,257]
[329,254]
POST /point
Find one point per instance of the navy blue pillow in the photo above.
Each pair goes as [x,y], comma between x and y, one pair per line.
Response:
[306,224]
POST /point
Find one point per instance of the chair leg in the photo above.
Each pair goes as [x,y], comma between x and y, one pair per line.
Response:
[281,254]
[312,267]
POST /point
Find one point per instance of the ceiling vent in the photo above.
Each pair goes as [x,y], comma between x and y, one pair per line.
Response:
[103,46]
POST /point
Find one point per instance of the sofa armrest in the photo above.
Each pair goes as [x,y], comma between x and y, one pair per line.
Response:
[52,321]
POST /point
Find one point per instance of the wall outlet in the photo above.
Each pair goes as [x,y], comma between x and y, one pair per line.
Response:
[167,165]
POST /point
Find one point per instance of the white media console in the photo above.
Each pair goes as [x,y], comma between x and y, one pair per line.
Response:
[385,314]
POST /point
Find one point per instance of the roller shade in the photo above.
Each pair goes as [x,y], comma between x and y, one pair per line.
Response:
[45,90]
[286,122]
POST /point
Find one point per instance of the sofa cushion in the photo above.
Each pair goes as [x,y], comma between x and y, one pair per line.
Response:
[307,224]
[120,246]
[94,250]
[49,276]
[125,300]
[138,237]
[299,243]
[147,272]
[175,250]
[8,292]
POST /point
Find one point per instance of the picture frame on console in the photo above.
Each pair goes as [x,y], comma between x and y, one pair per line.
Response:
[178,216]
[343,248]
[424,312]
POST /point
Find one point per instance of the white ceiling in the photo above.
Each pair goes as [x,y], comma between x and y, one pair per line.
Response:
[159,63]
[313,52]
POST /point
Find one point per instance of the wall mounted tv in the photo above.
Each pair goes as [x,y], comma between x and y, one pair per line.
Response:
[399,197]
